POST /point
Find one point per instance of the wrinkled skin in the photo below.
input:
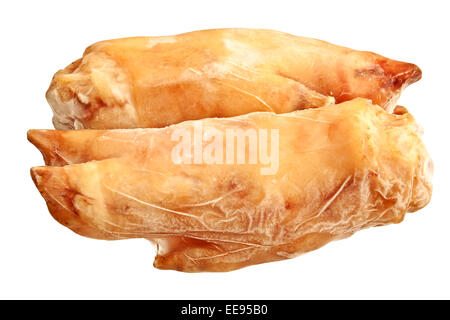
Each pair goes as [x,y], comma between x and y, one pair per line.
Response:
[148,82]
[341,169]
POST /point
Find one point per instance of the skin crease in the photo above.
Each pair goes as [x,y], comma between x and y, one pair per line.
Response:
[342,168]
[158,81]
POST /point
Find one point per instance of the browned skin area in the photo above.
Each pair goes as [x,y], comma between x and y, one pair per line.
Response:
[341,169]
[158,81]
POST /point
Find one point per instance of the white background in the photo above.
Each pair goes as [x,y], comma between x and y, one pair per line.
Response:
[41,259]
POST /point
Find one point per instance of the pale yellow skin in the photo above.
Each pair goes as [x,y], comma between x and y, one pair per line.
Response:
[341,169]
[147,82]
